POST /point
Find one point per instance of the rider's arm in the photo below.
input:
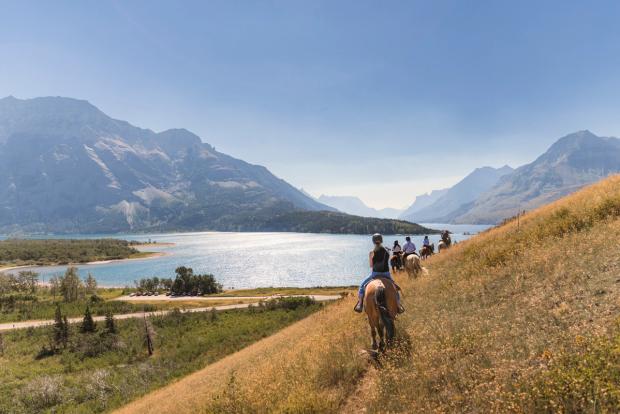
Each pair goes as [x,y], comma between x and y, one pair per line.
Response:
[370,255]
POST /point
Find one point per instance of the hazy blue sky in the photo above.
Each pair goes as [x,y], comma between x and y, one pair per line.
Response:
[380,99]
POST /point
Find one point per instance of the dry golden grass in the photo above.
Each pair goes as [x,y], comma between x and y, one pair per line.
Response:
[518,319]
[313,364]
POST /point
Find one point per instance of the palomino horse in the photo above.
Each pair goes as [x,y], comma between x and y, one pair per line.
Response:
[381,306]
[412,265]
[427,251]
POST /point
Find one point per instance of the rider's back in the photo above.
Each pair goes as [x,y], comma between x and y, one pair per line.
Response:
[380,260]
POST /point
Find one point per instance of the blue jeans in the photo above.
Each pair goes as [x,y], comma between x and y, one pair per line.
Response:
[370,277]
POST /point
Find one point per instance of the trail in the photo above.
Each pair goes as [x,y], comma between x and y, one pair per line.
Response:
[9,326]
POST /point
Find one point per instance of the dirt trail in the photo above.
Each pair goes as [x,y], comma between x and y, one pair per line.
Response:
[9,326]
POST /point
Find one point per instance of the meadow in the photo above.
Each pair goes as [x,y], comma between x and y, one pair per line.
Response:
[98,371]
[522,318]
[41,252]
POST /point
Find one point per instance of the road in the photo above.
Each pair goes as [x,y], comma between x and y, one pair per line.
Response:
[164,298]
[9,326]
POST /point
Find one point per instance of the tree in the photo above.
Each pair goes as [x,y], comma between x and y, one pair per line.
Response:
[55,286]
[91,285]
[65,331]
[58,330]
[110,324]
[27,281]
[88,323]
[149,334]
[70,285]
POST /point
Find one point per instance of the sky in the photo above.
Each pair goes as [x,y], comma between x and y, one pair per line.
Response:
[382,100]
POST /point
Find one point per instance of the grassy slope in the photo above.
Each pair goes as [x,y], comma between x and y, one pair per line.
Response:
[522,318]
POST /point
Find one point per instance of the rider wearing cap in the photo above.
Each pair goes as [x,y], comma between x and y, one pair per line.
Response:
[378,259]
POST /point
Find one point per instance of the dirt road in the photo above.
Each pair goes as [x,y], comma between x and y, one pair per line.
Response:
[9,326]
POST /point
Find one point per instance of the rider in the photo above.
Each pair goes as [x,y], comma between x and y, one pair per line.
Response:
[445,236]
[397,250]
[408,247]
[426,242]
[378,259]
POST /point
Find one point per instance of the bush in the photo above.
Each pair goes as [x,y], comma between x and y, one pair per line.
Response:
[41,393]
[288,303]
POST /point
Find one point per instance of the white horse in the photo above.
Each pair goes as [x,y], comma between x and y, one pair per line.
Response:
[412,265]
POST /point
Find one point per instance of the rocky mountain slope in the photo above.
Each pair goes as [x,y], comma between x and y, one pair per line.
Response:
[569,164]
[65,166]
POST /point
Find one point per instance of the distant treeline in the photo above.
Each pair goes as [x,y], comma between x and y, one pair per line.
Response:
[59,251]
[337,223]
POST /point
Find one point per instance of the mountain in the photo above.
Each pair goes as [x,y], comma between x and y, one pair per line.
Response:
[572,162]
[422,201]
[355,206]
[458,199]
[65,166]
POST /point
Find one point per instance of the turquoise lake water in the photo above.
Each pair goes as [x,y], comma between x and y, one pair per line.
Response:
[249,260]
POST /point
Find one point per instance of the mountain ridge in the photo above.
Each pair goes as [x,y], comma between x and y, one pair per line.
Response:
[355,206]
[454,199]
[55,151]
[572,162]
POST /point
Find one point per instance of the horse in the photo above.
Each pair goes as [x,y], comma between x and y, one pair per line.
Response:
[381,306]
[412,265]
[427,251]
[396,261]
[442,245]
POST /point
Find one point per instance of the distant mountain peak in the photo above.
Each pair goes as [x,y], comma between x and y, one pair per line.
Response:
[573,161]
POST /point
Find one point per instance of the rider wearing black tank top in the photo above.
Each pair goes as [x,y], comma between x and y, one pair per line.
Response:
[380,260]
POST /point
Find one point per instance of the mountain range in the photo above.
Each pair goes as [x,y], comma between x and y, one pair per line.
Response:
[65,166]
[353,205]
[489,195]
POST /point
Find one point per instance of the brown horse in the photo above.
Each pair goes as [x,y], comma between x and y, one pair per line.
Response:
[427,251]
[381,306]
[412,265]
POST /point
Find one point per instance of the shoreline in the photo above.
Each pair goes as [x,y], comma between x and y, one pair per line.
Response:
[151,255]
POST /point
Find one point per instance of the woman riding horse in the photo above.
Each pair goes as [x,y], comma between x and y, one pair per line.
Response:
[378,259]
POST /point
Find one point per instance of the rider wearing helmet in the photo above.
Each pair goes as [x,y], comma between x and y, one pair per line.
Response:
[378,259]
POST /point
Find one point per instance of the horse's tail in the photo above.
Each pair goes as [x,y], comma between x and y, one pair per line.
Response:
[382,305]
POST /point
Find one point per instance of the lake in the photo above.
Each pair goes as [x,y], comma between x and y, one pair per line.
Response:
[249,260]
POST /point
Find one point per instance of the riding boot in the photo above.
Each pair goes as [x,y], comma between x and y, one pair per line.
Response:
[359,307]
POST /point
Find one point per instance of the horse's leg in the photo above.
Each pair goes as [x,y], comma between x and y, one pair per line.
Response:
[381,335]
[373,335]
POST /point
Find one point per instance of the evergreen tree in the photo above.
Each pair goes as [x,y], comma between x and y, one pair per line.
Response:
[88,324]
[58,329]
[91,285]
[70,285]
[110,324]
[65,331]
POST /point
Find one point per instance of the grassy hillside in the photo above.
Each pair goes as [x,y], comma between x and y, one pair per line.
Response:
[521,318]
